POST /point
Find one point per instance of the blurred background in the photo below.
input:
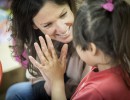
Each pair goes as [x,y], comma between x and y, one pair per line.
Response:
[12,70]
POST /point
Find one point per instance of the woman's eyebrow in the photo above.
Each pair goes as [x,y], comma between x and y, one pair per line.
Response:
[58,16]
[42,24]
[62,11]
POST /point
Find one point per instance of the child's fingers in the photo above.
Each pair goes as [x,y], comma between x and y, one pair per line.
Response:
[45,49]
[64,55]
[42,42]
[64,51]
[35,63]
[51,47]
[40,53]
[40,67]
[63,61]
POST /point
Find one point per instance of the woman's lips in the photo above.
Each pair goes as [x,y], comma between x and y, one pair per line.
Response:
[66,34]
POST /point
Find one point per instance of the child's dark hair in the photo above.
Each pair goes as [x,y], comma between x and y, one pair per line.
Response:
[108,30]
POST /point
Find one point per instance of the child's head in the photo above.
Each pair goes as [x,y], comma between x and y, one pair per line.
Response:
[105,25]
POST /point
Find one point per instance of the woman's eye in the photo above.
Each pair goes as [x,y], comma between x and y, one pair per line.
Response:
[47,25]
[63,15]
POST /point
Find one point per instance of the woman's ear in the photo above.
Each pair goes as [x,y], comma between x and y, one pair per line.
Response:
[34,26]
[93,48]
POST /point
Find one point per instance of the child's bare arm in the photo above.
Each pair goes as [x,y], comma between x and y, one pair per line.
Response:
[51,67]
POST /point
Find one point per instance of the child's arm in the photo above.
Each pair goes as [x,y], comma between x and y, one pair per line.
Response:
[51,66]
[58,90]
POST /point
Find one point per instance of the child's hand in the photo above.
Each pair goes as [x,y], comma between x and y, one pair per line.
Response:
[51,67]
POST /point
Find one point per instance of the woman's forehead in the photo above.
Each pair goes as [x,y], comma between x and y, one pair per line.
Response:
[50,11]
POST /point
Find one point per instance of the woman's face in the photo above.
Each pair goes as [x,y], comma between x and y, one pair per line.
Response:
[55,21]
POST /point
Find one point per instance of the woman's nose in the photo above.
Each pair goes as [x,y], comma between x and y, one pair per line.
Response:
[61,27]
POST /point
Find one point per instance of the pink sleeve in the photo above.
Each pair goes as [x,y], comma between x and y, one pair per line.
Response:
[18,58]
[25,62]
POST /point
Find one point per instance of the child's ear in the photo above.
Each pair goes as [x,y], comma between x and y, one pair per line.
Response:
[34,26]
[93,48]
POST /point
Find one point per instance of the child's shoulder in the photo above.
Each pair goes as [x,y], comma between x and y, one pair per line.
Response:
[110,82]
[104,80]
[107,84]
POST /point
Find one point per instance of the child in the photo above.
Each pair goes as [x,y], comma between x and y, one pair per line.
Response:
[101,37]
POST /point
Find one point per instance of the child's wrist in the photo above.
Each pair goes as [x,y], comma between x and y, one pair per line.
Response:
[58,86]
[57,83]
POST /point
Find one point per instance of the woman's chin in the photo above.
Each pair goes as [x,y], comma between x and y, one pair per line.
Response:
[67,40]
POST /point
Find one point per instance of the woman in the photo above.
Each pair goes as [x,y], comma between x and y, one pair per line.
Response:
[34,18]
